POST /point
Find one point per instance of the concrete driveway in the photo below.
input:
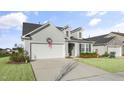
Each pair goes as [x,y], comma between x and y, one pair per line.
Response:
[63,69]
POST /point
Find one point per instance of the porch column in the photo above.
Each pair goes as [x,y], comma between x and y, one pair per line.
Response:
[91,47]
[76,49]
[66,49]
[84,47]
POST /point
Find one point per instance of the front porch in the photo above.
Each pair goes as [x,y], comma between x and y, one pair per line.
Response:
[73,49]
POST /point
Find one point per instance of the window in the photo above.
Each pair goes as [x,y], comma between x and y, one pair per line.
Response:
[82,47]
[80,35]
[67,34]
[85,47]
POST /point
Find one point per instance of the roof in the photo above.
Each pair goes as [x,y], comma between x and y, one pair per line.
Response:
[100,40]
[118,33]
[75,30]
[72,39]
[28,27]
[60,28]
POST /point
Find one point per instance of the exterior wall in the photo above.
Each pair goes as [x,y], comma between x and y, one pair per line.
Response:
[123,50]
[66,49]
[115,45]
[40,37]
[77,49]
[114,42]
[76,34]
[118,36]
[100,49]
[27,46]
[116,49]
[51,31]
[69,33]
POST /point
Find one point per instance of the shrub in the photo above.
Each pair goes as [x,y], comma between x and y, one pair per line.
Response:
[19,56]
[88,55]
[112,55]
[105,54]
[4,54]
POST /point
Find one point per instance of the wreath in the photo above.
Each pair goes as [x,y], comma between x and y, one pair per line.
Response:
[49,40]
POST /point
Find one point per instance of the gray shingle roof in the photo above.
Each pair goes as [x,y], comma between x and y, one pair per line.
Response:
[77,29]
[60,28]
[118,33]
[100,40]
[28,27]
[80,40]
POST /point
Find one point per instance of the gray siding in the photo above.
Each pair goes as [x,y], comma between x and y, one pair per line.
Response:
[40,37]
[76,34]
[50,31]
[100,49]
[115,42]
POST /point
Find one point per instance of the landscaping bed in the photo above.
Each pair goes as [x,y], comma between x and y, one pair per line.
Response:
[88,55]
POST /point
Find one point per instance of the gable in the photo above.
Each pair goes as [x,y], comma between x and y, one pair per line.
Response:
[115,41]
[119,36]
[49,32]
[29,27]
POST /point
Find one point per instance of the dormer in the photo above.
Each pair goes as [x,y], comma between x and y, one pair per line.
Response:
[77,33]
[67,32]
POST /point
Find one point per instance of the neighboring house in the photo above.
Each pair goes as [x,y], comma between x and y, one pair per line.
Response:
[4,51]
[43,41]
[15,50]
[112,42]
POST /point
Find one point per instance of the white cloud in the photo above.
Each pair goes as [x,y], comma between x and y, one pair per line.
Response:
[102,13]
[122,12]
[118,27]
[8,41]
[94,21]
[95,32]
[36,13]
[94,13]
[12,20]
[101,31]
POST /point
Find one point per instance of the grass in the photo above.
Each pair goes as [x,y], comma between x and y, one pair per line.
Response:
[108,64]
[15,72]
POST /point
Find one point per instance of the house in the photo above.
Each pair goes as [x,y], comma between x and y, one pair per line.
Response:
[46,40]
[112,42]
[5,51]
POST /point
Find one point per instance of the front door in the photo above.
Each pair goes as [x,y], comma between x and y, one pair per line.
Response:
[71,49]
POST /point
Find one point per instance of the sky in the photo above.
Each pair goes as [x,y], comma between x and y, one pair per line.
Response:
[93,22]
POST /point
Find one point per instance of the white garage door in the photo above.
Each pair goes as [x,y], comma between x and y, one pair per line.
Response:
[117,50]
[43,51]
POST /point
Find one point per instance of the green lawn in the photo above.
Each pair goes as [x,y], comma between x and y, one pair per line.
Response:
[108,64]
[15,72]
